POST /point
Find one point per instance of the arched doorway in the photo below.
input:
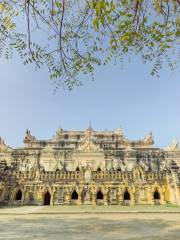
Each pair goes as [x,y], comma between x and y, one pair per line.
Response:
[99,198]
[100,195]
[18,195]
[156,197]
[47,198]
[74,195]
[127,198]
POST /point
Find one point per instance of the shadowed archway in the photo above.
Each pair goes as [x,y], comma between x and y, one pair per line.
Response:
[156,195]
[127,196]
[74,195]
[18,196]
[100,195]
[47,198]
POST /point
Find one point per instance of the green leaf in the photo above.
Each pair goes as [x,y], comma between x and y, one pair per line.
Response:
[96,23]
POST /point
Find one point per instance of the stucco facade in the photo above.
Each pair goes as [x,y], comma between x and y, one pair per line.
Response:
[89,167]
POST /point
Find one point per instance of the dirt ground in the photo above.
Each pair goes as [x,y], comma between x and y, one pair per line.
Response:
[96,226]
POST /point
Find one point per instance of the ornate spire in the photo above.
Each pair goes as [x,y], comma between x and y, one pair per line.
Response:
[174,146]
[149,139]
[87,144]
[89,127]
[119,131]
[28,137]
[59,132]
[3,146]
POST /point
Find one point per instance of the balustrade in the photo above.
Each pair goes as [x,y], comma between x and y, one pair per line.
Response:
[112,175]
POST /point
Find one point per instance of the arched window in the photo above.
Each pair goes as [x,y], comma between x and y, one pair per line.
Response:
[74,195]
[77,169]
[18,195]
[156,195]
[119,169]
[99,169]
[47,198]
[99,195]
[127,196]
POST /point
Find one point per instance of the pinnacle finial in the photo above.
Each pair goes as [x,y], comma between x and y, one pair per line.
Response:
[90,126]
[119,131]
[28,131]
[174,146]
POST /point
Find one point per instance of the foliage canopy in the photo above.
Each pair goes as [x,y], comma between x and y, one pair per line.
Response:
[72,37]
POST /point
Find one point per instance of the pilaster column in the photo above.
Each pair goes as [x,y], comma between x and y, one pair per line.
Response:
[162,200]
[79,201]
[93,199]
[68,197]
[148,194]
[118,198]
[52,199]
[132,201]
[105,199]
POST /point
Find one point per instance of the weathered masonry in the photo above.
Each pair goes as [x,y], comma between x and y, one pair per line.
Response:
[89,167]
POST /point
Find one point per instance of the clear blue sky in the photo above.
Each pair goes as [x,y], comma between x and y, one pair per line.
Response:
[128,98]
